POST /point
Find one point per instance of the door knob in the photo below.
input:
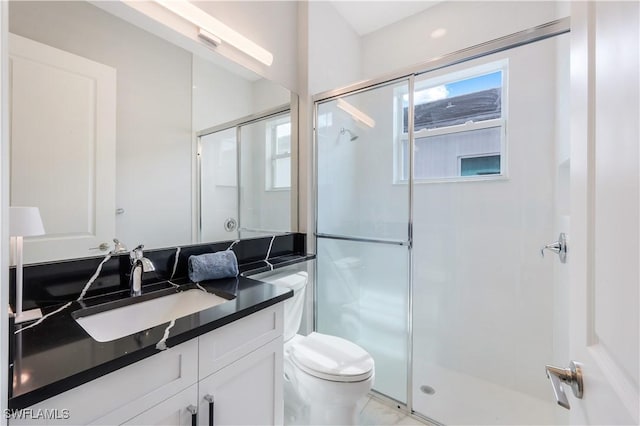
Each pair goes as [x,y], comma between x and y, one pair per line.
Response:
[571,376]
[559,247]
[101,247]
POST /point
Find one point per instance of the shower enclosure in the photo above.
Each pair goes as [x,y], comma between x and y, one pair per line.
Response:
[435,193]
[245,177]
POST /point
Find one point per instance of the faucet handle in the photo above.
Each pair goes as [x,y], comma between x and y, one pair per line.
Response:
[118,247]
[136,253]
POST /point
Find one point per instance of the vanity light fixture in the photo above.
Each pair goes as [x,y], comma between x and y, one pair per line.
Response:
[23,222]
[356,113]
[214,31]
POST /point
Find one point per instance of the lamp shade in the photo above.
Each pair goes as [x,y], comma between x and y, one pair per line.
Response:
[25,222]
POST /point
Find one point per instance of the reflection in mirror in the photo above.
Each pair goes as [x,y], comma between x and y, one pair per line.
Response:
[103,122]
[261,204]
[218,186]
[265,176]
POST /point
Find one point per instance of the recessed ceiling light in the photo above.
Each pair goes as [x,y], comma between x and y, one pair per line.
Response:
[439,32]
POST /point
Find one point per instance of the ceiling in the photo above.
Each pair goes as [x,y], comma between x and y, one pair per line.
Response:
[368,16]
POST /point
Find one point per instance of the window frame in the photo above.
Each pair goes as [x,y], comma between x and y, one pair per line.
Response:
[401,143]
[271,147]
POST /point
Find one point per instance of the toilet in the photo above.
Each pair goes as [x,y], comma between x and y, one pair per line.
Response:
[324,376]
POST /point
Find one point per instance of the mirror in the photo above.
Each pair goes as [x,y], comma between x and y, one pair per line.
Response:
[103,130]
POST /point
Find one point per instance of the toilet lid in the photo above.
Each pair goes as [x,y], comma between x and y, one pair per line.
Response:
[332,358]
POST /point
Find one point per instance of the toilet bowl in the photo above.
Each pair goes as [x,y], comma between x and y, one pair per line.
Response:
[325,376]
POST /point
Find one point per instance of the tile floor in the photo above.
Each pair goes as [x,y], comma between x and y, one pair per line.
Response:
[376,413]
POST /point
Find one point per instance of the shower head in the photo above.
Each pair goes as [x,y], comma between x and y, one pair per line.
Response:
[352,136]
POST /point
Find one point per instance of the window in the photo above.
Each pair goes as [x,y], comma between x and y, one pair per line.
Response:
[478,166]
[459,126]
[278,147]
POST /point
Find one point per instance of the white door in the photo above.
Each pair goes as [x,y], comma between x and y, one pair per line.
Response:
[63,133]
[603,246]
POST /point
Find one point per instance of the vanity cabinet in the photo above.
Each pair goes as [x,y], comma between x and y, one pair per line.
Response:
[239,365]
[119,396]
[175,411]
[247,392]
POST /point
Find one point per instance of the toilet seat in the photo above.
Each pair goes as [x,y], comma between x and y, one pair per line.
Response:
[332,358]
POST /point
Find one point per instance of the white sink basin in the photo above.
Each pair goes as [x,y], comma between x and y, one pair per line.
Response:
[119,322]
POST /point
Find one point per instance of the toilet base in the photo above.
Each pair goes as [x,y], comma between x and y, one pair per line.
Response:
[312,401]
[333,415]
[297,413]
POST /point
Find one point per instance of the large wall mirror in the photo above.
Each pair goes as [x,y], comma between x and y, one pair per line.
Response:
[107,139]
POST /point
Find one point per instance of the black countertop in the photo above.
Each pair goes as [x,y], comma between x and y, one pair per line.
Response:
[58,354]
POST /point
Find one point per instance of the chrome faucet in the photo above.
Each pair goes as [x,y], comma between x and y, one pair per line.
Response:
[139,265]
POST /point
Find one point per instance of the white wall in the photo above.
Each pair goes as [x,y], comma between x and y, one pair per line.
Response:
[153,149]
[218,95]
[267,95]
[467,23]
[334,50]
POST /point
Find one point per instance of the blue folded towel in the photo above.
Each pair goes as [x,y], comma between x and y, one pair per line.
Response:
[212,266]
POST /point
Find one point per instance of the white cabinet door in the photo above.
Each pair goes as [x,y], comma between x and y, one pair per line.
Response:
[247,392]
[227,344]
[604,248]
[175,411]
[123,394]
[63,146]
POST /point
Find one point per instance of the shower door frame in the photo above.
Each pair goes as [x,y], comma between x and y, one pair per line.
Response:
[521,38]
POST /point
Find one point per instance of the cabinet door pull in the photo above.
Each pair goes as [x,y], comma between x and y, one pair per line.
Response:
[194,414]
[209,399]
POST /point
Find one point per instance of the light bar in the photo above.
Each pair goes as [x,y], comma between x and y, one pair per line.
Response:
[356,113]
[210,29]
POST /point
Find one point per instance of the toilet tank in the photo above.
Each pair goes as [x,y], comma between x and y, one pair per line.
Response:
[294,306]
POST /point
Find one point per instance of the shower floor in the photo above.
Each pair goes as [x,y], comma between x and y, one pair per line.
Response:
[376,413]
[462,399]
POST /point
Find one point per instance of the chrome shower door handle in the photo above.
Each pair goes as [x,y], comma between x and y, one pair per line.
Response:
[558,247]
[230,224]
[571,376]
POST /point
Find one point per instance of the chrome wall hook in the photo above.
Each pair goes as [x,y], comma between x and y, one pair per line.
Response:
[559,247]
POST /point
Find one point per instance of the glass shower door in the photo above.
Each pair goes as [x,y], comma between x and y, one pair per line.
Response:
[265,176]
[363,229]
[488,318]
[218,186]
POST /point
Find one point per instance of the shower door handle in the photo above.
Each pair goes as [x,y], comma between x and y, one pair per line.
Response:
[230,224]
[558,247]
[571,376]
